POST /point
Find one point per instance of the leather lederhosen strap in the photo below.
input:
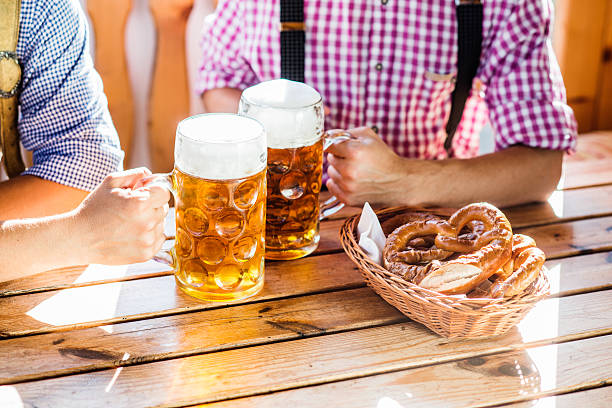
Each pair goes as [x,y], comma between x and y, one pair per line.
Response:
[469,22]
[10,75]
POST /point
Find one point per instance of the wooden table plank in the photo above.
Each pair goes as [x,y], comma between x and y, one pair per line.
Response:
[600,397]
[158,295]
[324,359]
[567,205]
[592,146]
[474,382]
[586,174]
[142,299]
[94,346]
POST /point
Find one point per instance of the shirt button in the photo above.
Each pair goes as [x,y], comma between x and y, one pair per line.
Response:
[384,2]
[375,129]
[378,67]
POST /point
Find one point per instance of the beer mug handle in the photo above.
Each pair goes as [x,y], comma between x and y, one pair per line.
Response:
[332,205]
[166,254]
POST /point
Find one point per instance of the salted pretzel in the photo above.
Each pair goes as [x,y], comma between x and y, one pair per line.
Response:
[527,265]
[464,242]
[494,249]
[397,249]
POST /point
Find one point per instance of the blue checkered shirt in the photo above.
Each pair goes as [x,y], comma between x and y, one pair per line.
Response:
[64,117]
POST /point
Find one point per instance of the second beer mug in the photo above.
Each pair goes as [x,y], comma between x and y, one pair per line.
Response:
[292,114]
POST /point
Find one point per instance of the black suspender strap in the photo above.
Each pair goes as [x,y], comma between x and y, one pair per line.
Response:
[292,39]
[469,23]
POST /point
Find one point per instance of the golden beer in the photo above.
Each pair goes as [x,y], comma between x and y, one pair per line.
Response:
[294,183]
[292,114]
[219,187]
[220,235]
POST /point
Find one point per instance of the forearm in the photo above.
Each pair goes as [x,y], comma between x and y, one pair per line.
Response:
[29,196]
[221,100]
[35,245]
[512,176]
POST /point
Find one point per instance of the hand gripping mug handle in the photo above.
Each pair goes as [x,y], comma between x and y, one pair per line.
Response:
[332,137]
[166,254]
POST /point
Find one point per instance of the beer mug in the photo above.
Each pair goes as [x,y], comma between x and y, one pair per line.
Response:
[292,114]
[219,188]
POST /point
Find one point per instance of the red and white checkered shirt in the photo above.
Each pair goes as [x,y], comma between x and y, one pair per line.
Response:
[391,65]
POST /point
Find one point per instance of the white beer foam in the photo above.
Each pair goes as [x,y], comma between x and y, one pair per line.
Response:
[220,146]
[290,111]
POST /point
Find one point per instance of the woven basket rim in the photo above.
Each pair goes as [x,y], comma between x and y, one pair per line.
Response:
[534,293]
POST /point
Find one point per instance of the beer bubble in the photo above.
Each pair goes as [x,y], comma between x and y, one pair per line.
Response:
[212,250]
[230,223]
[292,185]
[246,194]
[183,243]
[195,221]
[228,277]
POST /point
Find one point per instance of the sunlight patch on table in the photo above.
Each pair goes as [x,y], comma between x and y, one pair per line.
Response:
[386,402]
[9,397]
[542,322]
[117,372]
[556,202]
[86,304]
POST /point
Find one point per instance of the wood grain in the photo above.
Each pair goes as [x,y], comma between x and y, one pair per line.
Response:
[59,354]
[473,382]
[340,357]
[169,92]
[116,302]
[600,397]
[148,298]
[585,174]
[604,99]
[580,65]
[108,18]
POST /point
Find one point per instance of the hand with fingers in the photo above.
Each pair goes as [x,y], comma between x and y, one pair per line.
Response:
[364,169]
[121,222]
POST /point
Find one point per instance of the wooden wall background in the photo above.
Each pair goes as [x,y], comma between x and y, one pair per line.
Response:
[583,43]
[147,53]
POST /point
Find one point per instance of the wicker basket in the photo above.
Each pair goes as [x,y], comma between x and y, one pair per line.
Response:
[446,315]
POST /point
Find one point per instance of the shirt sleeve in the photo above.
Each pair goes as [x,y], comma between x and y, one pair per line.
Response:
[64,118]
[223,50]
[525,94]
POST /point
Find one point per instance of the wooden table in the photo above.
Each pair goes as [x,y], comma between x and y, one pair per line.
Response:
[317,336]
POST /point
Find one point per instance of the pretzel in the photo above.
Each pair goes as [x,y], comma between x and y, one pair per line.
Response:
[397,221]
[396,249]
[527,264]
[463,274]
[520,242]
[462,243]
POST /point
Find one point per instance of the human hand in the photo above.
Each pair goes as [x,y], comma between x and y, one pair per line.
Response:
[120,223]
[366,169]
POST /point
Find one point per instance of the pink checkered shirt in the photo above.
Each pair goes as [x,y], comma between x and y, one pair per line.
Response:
[391,66]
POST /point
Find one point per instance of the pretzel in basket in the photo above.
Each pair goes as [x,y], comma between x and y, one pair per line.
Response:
[527,261]
[456,263]
[493,250]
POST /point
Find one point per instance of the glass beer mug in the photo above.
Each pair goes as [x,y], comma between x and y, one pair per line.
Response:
[292,114]
[219,186]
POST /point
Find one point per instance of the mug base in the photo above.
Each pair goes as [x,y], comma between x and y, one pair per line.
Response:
[219,297]
[288,254]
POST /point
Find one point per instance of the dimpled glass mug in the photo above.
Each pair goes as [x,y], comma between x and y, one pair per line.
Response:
[219,187]
[292,114]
